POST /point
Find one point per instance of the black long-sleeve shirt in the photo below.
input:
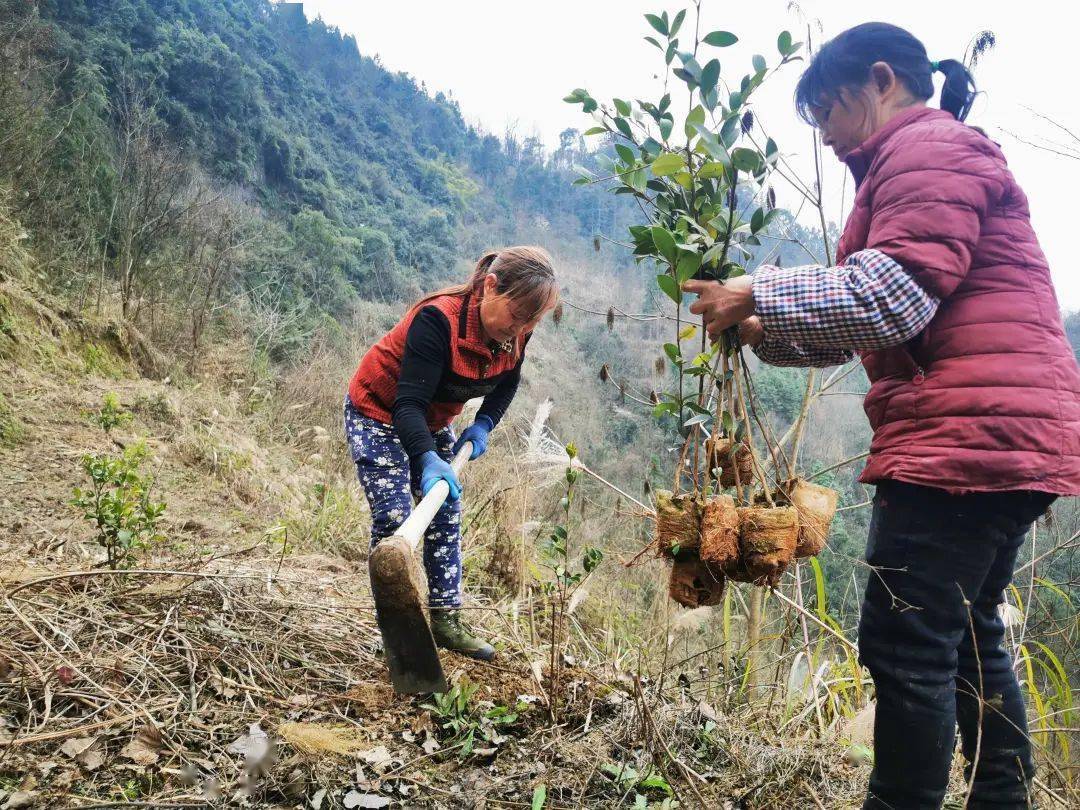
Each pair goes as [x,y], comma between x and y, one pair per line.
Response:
[426,377]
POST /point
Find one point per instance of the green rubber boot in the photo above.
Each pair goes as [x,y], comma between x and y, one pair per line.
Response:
[451,634]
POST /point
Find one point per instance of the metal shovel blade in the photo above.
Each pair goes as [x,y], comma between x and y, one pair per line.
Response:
[399,608]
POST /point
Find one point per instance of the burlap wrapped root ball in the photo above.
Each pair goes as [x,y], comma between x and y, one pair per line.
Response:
[816,506]
[767,540]
[678,524]
[725,456]
[720,531]
[694,583]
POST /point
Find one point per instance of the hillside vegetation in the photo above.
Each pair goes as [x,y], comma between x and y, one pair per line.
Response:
[208,211]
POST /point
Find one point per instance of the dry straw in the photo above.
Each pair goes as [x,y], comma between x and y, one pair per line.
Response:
[678,523]
[816,506]
[694,583]
[767,539]
[728,457]
[720,531]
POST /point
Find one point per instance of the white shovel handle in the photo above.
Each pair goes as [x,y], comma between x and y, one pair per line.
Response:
[416,523]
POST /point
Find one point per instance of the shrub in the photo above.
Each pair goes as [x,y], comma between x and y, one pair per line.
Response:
[111,414]
[119,506]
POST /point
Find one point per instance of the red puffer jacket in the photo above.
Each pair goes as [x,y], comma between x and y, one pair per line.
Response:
[987,398]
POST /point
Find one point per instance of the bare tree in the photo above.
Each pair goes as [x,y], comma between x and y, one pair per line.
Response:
[217,235]
[153,193]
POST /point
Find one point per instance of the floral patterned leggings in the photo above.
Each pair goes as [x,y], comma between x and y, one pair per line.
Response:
[383,468]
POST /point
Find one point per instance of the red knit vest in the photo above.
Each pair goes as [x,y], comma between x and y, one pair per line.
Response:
[374,385]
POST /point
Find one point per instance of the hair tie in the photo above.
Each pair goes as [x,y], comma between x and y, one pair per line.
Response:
[934,67]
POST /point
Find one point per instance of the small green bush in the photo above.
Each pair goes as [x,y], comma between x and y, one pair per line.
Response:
[119,506]
[111,414]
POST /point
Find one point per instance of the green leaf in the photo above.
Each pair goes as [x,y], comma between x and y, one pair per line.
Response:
[654,42]
[622,106]
[714,168]
[727,423]
[746,160]
[759,63]
[539,797]
[636,180]
[757,221]
[623,126]
[596,130]
[664,241]
[686,77]
[664,408]
[710,74]
[670,53]
[626,154]
[689,264]
[657,783]
[669,287]
[729,132]
[581,181]
[677,23]
[666,125]
[690,64]
[712,145]
[672,350]
[589,106]
[783,43]
[720,39]
[667,164]
[694,119]
[658,24]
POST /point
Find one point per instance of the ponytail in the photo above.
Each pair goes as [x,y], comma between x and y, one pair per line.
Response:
[958,92]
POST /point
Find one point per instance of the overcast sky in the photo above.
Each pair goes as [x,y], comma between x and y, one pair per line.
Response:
[509,63]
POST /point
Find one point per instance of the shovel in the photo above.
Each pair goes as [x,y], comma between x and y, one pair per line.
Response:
[399,600]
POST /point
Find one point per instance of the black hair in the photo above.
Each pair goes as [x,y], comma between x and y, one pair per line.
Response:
[845,61]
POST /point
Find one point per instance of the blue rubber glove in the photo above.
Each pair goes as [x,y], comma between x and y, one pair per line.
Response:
[477,433]
[433,469]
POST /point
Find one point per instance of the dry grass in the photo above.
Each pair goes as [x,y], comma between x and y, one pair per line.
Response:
[281,636]
[316,740]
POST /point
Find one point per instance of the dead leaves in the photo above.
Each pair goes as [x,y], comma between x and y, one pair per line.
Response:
[144,748]
[356,799]
[87,751]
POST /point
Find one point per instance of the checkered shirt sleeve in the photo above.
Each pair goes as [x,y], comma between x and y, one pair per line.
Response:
[819,316]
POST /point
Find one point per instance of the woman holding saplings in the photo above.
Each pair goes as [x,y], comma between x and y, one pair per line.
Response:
[452,346]
[942,289]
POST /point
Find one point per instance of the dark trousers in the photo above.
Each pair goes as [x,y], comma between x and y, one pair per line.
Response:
[931,636]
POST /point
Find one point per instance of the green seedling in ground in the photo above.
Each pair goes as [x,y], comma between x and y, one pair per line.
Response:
[118,504]
[111,414]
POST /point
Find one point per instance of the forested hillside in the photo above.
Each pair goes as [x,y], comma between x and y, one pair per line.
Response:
[209,209]
[365,182]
